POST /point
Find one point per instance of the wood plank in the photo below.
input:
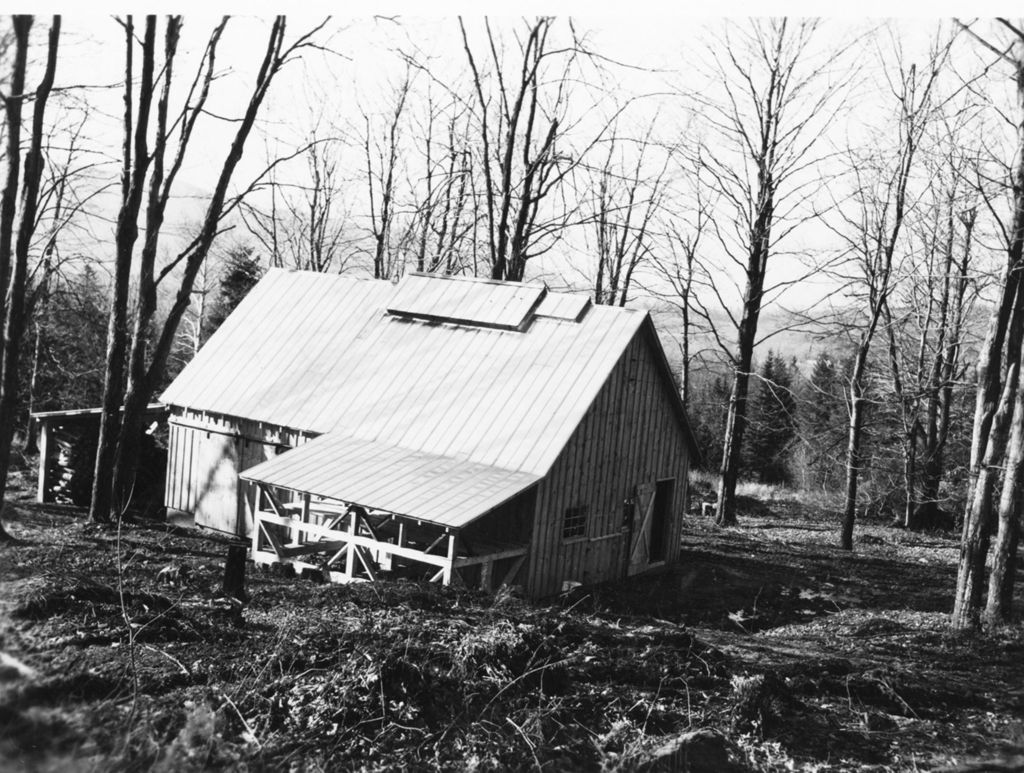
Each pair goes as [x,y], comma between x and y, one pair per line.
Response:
[447,568]
[486,572]
[353,530]
[489,557]
[366,563]
[311,547]
[639,554]
[402,552]
[43,487]
[275,543]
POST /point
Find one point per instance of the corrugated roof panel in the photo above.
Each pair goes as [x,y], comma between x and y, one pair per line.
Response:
[471,377]
[495,304]
[512,390]
[212,371]
[568,391]
[576,388]
[446,491]
[315,323]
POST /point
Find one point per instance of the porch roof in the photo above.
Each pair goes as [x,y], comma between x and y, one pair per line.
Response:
[429,487]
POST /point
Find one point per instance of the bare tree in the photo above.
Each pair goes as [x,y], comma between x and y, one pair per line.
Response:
[382,168]
[133,176]
[116,464]
[628,197]
[998,413]
[71,184]
[522,119]
[760,161]
[926,336]
[14,267]
[304,224]
[678,268]
[872,233]
[443,210]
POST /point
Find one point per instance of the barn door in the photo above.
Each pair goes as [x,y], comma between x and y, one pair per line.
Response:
[640,529]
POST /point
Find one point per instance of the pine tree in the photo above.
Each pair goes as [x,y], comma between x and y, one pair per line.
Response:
[241,271]
[72,341]
[823,422]
[706,411]
[773,423]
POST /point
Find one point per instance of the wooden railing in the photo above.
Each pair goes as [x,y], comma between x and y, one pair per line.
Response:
[343,544]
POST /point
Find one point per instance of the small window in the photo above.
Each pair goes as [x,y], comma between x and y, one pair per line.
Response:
[575,522]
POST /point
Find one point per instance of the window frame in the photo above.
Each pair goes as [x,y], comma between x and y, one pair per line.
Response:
[575,522]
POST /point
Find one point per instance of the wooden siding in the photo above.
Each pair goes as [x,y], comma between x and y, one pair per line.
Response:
[205,454]
[629,436]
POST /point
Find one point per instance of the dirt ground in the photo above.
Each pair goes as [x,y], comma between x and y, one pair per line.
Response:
[795,655]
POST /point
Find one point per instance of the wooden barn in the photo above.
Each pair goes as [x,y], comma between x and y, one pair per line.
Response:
[457,429]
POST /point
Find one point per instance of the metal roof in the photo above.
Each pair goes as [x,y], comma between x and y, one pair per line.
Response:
[74,413]
[460,299]
[320,353]
[563,306]
[429,487]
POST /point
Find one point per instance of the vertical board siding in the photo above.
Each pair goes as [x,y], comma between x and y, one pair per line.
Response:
[205,454]
[629,435]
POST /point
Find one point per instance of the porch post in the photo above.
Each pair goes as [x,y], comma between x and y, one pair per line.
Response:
[44,460]
[350,559]
[446,577]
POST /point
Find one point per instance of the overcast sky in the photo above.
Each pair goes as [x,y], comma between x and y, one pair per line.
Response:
[654,55]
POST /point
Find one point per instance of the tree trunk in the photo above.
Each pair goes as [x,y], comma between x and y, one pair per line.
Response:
[988,444]
[234,572]
[975,538]
[140,391]
[736,420]
[735,424]
[31,440]
[127,232]
[910,476]
[684,375]
[933,462]
[14,322]
[8,198]
[853,442]
[12,112]
[129,436]
[1000,584]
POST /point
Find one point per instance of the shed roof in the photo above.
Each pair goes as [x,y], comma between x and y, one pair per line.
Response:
[439,489]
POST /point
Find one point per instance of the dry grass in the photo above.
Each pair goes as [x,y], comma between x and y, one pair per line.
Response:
[808,657]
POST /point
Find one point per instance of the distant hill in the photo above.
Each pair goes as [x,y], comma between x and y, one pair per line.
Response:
[786,336]
[780,332]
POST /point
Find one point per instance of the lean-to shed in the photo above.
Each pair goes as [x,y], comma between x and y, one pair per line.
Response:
[460,429]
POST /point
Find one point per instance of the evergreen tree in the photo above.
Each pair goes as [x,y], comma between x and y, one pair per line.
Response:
[823,422]
[71,344]
[773,423]
[707,412]
[240,273]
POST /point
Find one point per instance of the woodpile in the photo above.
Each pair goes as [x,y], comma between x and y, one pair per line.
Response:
[70,469]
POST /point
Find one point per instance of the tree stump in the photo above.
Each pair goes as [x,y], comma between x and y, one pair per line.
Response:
[234,572]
